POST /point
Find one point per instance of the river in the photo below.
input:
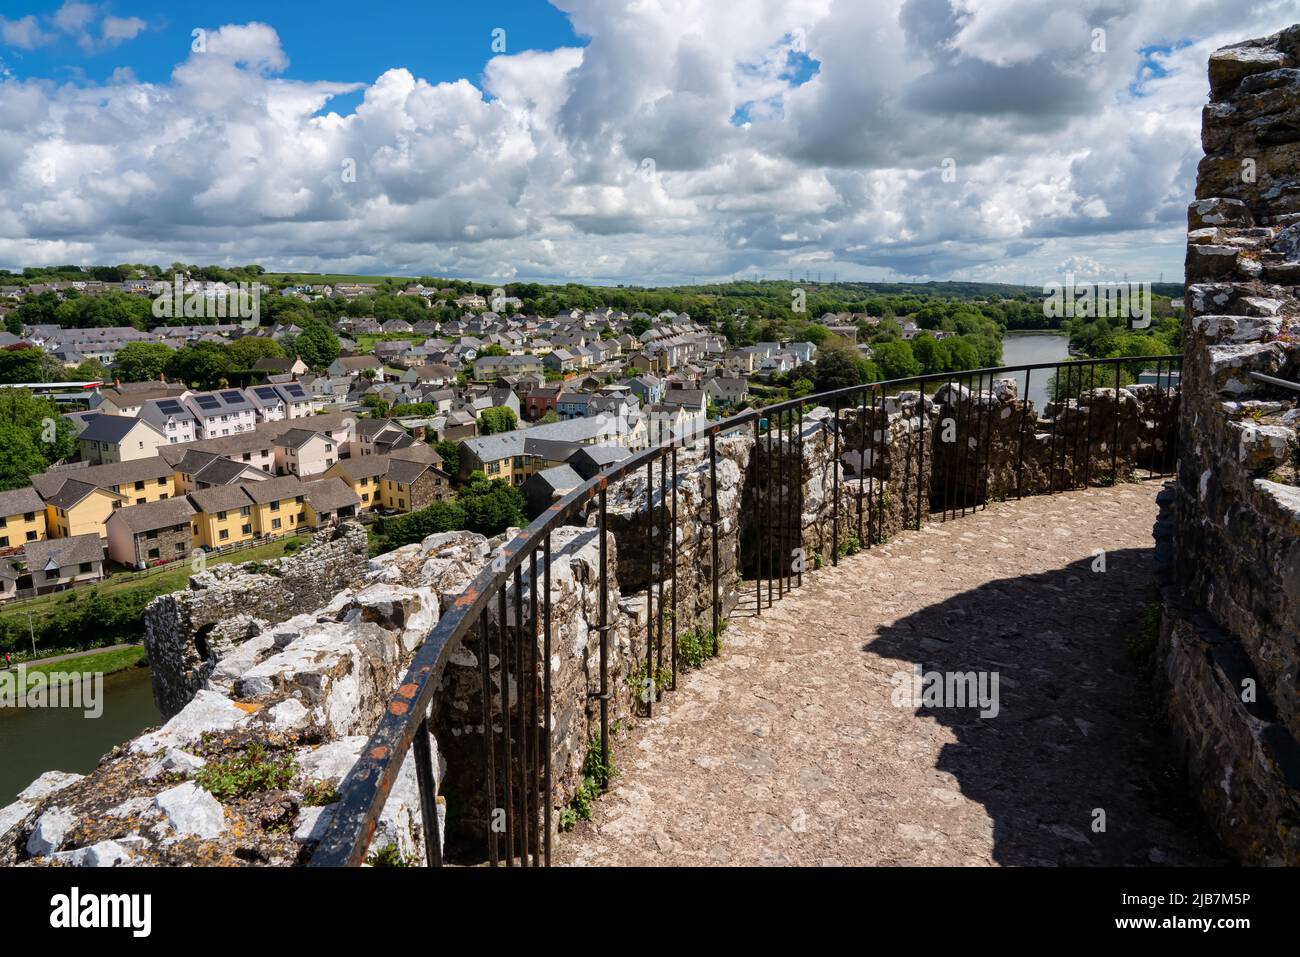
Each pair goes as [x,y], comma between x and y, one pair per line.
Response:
[36,740]
[1028,348]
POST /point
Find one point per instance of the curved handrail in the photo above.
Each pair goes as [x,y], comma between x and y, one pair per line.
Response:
[366,788]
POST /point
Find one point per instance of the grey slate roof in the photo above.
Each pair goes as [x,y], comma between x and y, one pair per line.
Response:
[329,495]
[112,428]
[19,501]
[62,552]
[155,515]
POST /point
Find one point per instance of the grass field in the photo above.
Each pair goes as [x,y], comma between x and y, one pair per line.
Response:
[148,583]
[104,662]
[313,278]
[366,340]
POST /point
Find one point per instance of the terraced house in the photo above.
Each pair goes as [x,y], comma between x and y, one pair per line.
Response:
[224,412]
[79,500]
[278,506]
[117,438]
[144,535]
[22,518]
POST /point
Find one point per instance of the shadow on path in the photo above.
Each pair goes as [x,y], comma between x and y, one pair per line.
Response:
[1075,743]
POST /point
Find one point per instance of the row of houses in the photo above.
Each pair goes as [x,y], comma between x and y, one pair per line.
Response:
[270,480]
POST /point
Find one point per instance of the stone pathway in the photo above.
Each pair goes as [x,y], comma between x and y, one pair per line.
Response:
[787,749]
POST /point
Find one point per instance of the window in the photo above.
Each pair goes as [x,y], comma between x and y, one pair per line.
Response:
[246,529]
[4,541]
[162,482]
[221,516]
[246,511]
[151,535]
[139,486]
[141,501]
[275,523]
[52,576]
[223,534]
[153,553]
[31,536]
[275,506]
[84,567]
[179,547]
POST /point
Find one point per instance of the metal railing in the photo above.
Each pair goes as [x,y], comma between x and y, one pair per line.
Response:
[520,786]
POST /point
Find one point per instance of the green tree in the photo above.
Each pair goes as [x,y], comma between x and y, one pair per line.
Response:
[391,533]
[838,369]
[33,436]
[91,369]
[27,364]
[491,506]
[246,350]
[895,359]
[450,454]
[497,419]
[317,345]
[141,361]
[202,365]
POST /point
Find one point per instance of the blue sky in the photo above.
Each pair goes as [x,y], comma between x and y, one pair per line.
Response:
[336,39]
[640,141]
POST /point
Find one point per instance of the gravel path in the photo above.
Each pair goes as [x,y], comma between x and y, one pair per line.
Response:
[788,748]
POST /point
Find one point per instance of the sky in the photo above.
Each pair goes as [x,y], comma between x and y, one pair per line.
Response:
[649,142]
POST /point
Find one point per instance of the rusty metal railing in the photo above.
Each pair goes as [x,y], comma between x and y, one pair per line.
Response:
[518,779]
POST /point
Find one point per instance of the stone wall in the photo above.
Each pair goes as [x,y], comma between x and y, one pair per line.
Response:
[187,633]
[1230,659]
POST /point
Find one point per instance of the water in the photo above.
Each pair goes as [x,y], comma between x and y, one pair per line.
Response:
[36,740]
[1029,348]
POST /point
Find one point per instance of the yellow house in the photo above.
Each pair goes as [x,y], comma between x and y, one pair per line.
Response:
[22,518]
[279,506]
[138,481]
[223,516]
[364,475]
[80,509]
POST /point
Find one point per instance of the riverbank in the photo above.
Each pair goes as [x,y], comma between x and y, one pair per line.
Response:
[105,661]
[110,611]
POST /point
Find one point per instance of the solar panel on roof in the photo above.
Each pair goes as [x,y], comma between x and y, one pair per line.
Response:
[265,392]
[207,402]
[170,407]
[232,396]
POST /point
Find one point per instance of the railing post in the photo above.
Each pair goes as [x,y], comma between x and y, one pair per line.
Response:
[525,824]
[490,759]
[507,750]
[535,779]
[1020,455]
[781,517]
[648,691]
[604,633]
[673,532]
[713,525]
[1114,446]
[546,685]
[661,557]
[1053,396]
[798,477]
[428,799]
[758,512]
[920,449]
[835,485]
